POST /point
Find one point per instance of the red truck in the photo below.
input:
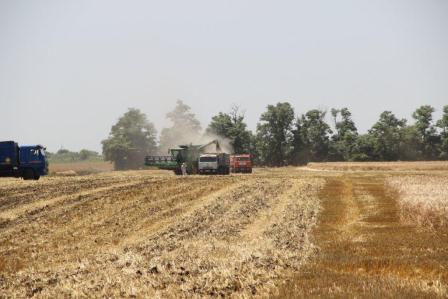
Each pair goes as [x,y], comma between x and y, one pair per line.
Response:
[241,163]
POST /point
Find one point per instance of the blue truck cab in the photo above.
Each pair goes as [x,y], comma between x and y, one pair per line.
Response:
[27,162]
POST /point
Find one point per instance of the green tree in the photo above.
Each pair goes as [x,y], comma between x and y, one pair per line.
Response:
[274,134]
[63,155]
[409,144]
[343,143]
[185,127]
[232,126]
[85,154]
[387,137]
[311,137]
[427,143]
[62,151]
[129,140]
[443,125]
[299,148]
[364,149]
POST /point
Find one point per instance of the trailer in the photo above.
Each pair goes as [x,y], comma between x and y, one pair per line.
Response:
[214,163]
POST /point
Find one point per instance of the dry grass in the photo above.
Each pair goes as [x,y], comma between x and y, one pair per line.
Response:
[80,167]
[423,199]
[152,234]
[381,166]
[285,232]
[365,251]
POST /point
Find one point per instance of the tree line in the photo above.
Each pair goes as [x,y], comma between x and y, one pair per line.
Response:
[284,138]
[66,156]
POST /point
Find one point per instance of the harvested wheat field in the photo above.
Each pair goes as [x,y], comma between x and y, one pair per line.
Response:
[136,233]
[382,166]
[286,232]
[80,167]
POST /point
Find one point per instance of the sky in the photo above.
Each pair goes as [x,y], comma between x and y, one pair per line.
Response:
[69,69]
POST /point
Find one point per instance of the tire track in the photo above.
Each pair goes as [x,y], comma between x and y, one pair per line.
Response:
[365,251]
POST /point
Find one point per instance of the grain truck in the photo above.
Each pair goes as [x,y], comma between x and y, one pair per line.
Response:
[214,163]
[27,162]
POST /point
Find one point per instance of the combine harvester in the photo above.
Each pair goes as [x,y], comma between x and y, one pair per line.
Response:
[204,158]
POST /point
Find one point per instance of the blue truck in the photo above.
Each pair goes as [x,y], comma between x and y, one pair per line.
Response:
[27,162]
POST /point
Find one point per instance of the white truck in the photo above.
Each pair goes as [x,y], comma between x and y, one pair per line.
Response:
[217,163]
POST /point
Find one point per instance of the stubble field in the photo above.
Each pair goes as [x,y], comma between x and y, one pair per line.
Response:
[287,232]
[150,233]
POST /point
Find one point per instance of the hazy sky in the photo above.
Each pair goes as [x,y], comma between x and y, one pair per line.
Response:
[69,69]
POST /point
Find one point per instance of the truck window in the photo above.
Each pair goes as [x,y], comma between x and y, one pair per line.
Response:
[207,159]
[34,156]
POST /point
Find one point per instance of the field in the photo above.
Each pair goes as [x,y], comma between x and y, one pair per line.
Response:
[285,232]
[422,200]
[381,166]
[79,167]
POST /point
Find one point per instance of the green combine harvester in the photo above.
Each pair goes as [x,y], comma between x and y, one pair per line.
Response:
[188,154]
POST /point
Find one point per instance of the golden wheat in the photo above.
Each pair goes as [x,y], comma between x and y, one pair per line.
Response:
[423,199]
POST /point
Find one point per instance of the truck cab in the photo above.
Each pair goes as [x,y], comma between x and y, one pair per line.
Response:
[28,162]
[214,163]
[241,163]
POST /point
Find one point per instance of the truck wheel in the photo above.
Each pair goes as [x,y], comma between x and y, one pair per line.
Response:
[28,174]
[36,176]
